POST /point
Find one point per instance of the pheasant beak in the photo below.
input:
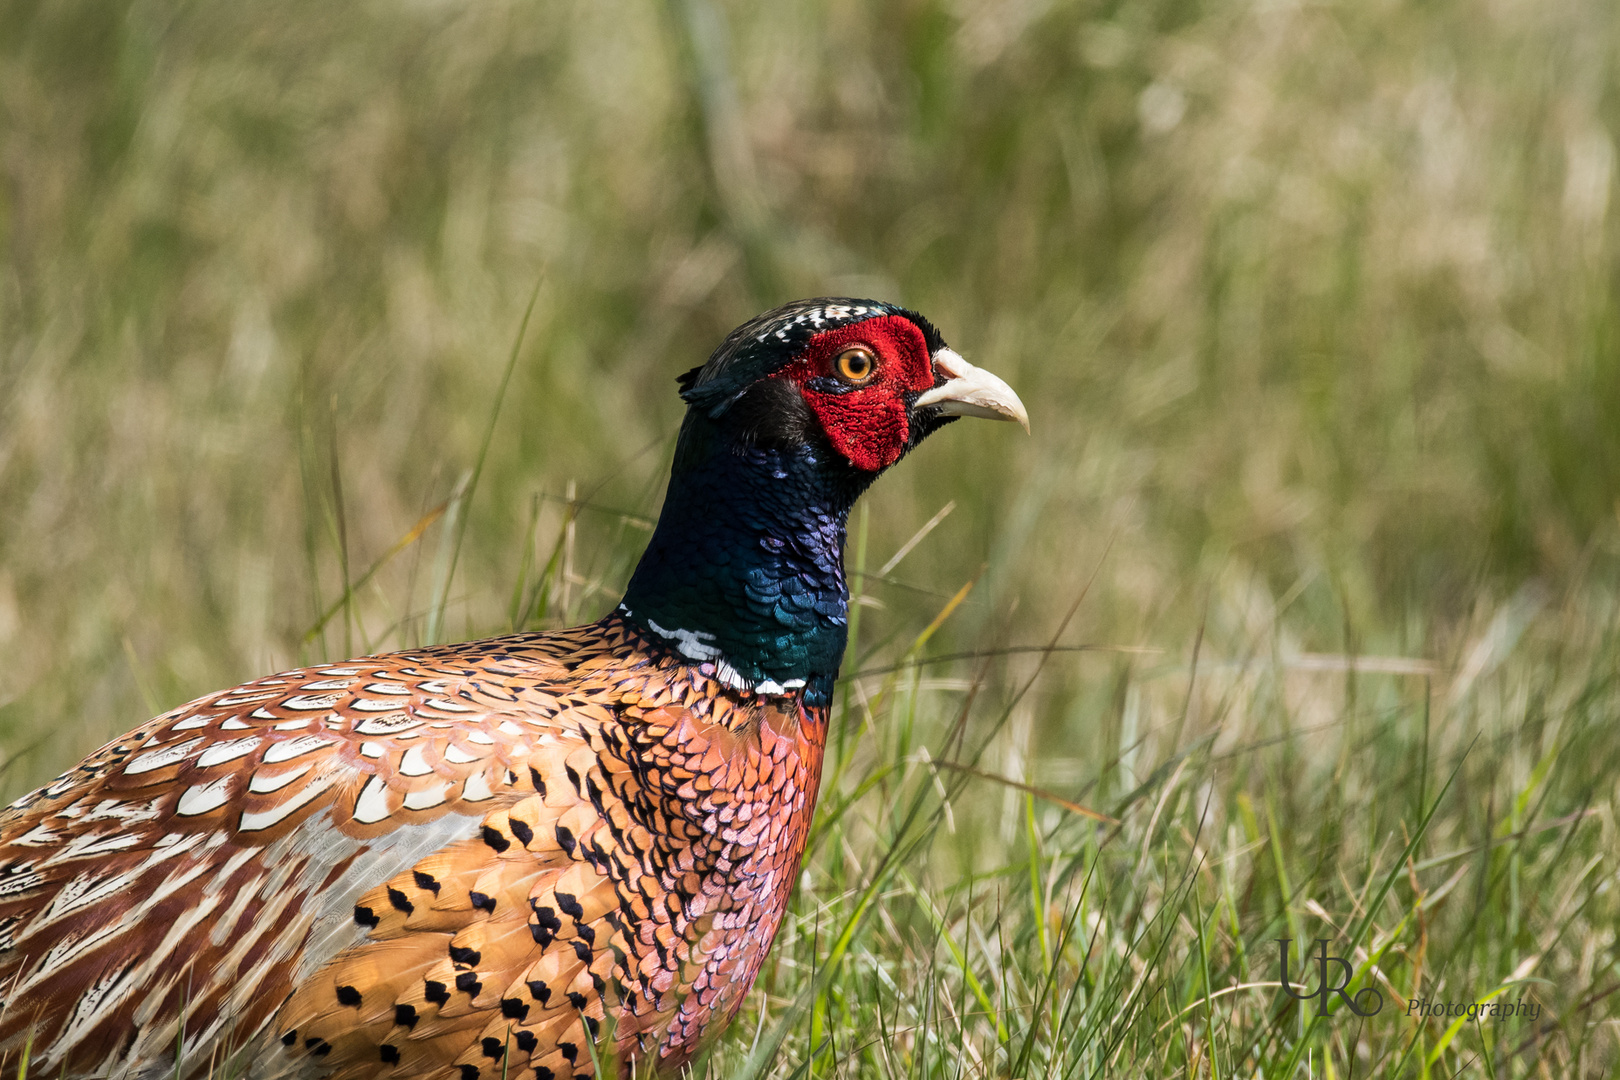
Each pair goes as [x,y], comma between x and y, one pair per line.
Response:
[970,391]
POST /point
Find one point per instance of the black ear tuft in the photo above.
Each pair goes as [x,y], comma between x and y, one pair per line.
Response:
[772,413]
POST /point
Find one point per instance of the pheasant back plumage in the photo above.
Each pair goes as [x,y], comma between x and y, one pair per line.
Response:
[566,836]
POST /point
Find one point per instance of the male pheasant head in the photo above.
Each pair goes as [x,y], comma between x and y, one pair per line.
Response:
[868,380]
[794,415]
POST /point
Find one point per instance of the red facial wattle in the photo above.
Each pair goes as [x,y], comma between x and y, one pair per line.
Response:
[868,423]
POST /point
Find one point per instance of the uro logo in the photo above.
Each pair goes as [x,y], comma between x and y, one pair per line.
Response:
[1324,988]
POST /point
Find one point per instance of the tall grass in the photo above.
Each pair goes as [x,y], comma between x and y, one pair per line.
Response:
[1306,580]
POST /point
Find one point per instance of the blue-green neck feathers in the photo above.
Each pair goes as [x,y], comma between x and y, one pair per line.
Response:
[745,571]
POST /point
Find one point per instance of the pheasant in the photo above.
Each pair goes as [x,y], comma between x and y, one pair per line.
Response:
[511,858]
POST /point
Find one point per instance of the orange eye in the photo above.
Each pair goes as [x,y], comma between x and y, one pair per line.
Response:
[855,365]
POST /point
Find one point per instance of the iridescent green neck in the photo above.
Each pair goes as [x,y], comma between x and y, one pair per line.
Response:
[745,571]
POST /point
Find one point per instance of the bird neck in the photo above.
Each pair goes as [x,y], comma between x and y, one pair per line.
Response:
[745,570]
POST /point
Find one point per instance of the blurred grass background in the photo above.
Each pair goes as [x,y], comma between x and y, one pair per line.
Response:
[1314,307]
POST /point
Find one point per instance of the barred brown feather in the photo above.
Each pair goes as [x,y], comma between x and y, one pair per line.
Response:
[437,863]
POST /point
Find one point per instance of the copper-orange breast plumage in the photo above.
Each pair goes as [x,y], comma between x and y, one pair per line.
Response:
[514,857]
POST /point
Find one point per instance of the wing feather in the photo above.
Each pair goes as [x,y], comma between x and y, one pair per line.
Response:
[442,863]
[213,838]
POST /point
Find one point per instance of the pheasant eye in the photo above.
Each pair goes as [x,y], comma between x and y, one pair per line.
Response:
[855,365]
